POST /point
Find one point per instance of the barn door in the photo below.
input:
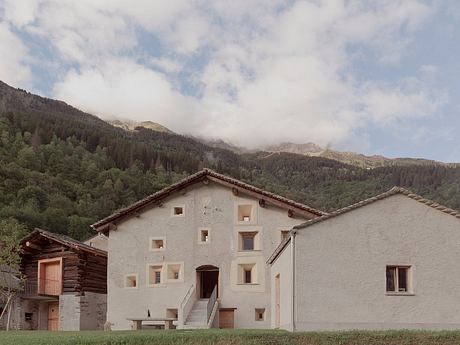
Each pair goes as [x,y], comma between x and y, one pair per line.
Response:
[53,316]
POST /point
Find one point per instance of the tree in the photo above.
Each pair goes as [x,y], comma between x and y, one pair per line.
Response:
[11,278]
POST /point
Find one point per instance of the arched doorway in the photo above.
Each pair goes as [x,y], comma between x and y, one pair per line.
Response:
[207,277]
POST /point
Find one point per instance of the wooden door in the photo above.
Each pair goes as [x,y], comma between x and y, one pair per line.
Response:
[50,276]
[277,301]
[226,318]
[53,316]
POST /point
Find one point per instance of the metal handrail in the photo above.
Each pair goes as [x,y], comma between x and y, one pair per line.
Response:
[211,301]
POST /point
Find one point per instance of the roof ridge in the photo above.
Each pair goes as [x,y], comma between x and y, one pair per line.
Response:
[64,239]
[157,196]
[393,191]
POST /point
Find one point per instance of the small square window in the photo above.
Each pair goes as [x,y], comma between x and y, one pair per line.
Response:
[398,279]
[154,276]
[174,271]
[247,240]
[131,281]
[204,236]
[244,213]
[260,314]
[178,211]
[157,244]
[247,274]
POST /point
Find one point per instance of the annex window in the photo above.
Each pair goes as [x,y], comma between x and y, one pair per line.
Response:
[260,314]
[174,272]
[157,243]
[154,274]
[248,240]
[247,274]
[244,213]
[204,236]
[399,279]
[131,281]
[178,211]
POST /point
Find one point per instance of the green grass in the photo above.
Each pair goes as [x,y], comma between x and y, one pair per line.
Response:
[229,337]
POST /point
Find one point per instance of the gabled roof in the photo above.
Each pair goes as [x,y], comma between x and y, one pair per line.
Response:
[236,185]
[63,239]
[391,192]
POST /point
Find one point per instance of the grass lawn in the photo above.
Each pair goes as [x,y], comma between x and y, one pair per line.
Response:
[229,337]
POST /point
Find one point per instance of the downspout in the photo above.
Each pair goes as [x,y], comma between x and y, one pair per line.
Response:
[293,233]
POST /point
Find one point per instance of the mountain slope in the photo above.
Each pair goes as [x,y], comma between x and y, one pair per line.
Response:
[62,169]
[353,158]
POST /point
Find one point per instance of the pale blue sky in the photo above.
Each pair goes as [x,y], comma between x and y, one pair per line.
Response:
[377,77]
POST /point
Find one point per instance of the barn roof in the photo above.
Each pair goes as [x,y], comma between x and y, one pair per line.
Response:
[63,239]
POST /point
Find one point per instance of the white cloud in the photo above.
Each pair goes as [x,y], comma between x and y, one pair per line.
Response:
[14,55]
[127,90]
[260,71]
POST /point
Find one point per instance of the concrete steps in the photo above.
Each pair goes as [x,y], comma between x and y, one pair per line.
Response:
[198,316]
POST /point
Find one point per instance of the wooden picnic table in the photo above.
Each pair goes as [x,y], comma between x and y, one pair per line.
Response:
[137,322]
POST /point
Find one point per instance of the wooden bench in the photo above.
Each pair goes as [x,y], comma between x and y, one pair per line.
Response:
[137,322]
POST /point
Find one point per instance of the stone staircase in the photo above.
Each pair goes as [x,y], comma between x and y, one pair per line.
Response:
[198,318]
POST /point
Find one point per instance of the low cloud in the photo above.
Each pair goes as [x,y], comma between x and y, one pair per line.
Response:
[250,72]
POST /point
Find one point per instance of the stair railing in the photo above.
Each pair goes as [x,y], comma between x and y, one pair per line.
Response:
[185,306]
[211,302]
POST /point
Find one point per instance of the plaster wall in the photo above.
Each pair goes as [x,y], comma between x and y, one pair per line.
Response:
[282,267]
[208,206]
[341,268]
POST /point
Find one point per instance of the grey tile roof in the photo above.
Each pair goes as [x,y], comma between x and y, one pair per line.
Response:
[391,192]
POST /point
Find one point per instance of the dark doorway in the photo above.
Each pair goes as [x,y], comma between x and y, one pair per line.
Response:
[207,279]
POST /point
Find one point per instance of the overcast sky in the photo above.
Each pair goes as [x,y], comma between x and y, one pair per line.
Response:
[377,77]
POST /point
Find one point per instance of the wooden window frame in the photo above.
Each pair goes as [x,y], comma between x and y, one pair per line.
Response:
[157,267]
[40,263]
[409,280]
[255,240]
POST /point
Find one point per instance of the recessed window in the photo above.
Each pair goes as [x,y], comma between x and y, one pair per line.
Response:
[260,314]
[178,211]
[204,236]
[131,281]
[157,243]
[174,272]
[247,240]
[154,274]
[244,213]
[398,279]
[28,316]
[247,274]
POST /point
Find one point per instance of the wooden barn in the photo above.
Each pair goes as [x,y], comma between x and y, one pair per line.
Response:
[66,283]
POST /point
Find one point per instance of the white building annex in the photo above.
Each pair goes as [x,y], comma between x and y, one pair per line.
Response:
[388,262]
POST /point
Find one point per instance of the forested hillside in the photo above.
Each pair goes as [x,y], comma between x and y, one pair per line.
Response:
[62,169]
